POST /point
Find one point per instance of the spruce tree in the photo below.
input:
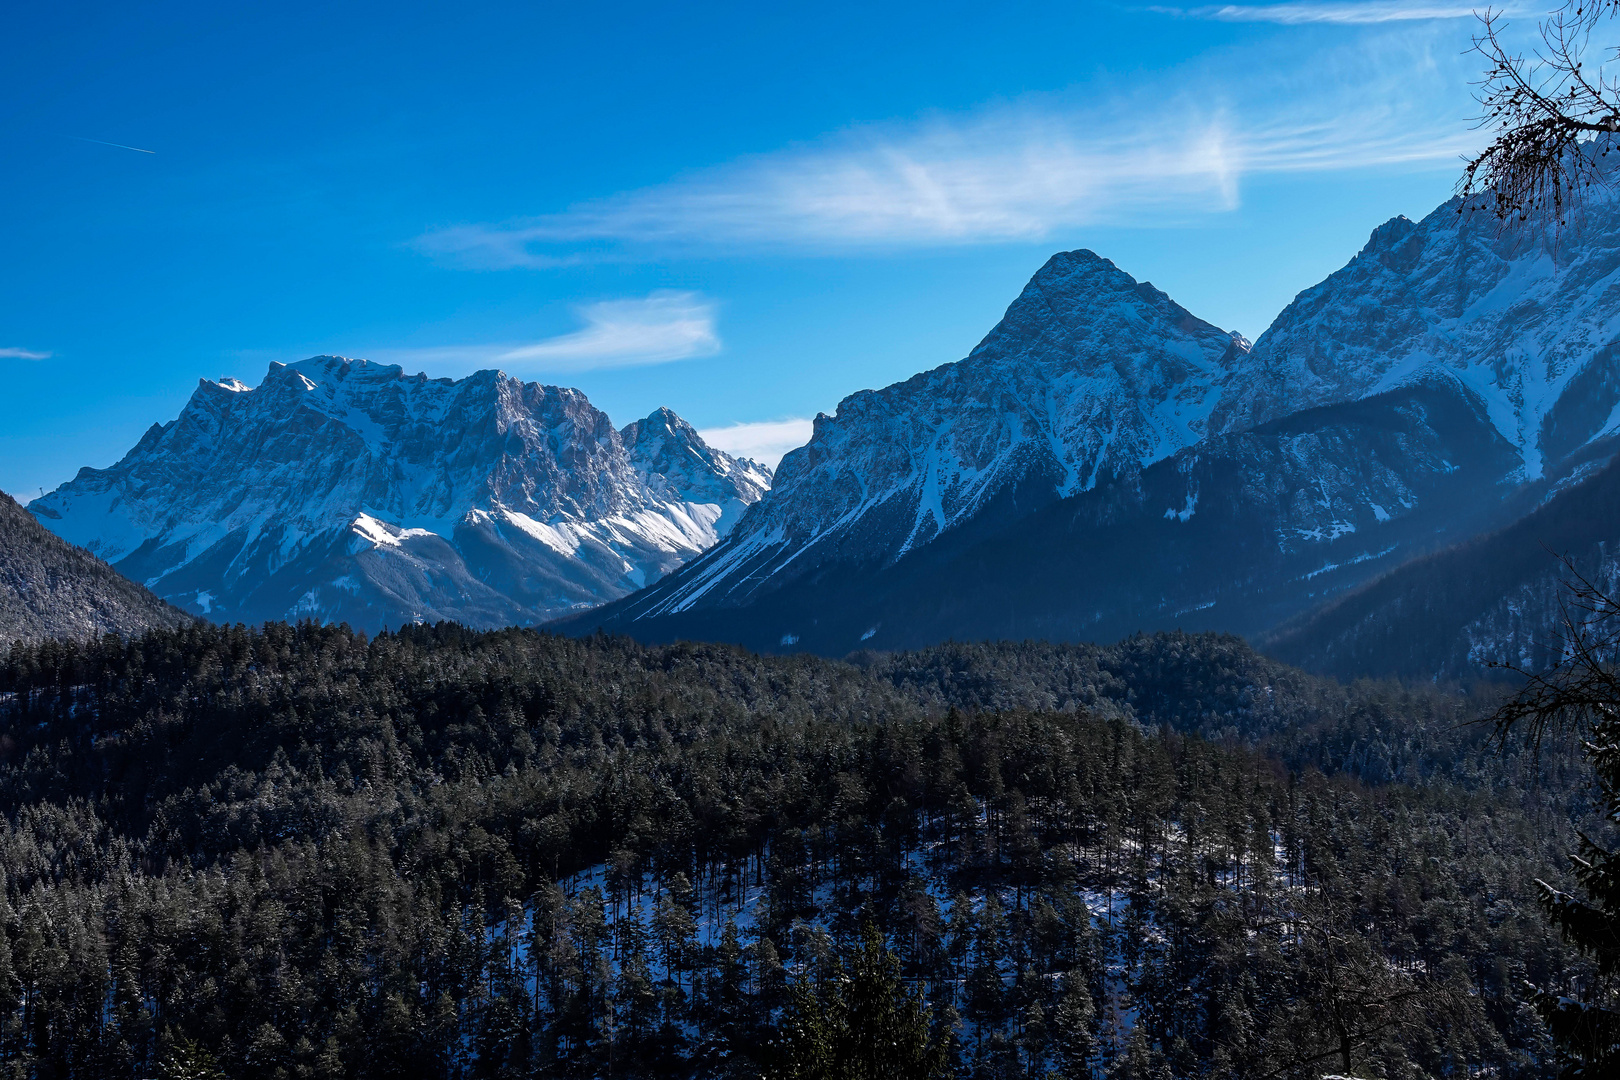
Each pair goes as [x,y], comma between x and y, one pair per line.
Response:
[1581,696]
[188,1061]
[859,1022]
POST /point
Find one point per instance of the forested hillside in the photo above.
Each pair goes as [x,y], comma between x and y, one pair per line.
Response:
[297,852]
[48,587]
[1495,599]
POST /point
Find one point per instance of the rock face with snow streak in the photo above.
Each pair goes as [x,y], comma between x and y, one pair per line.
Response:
[1090,374]
[1238,533]
[347,490]
[1067,478]
[1525,319]
[673,462]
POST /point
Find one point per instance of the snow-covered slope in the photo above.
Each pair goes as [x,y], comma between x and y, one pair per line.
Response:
[1526,319]
[344,489]
[1236,533]
[1090,374]
[1487,362]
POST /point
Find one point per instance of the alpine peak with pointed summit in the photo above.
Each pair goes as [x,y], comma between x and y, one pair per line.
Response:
[1105,462]
[346,490]
[1090,374]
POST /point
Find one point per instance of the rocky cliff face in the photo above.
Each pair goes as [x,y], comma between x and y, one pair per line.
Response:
[49,588]
[1090,375]
[1448,377]
[1526,320]
[346,490]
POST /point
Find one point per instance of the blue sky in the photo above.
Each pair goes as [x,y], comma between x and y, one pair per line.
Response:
[744,212]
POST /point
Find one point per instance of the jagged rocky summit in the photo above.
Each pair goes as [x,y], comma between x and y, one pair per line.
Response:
[1090,375]
[1525,320]
[52,589]
[345,490]
[1106,462]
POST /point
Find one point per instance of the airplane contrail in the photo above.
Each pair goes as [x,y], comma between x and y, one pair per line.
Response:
[120,145]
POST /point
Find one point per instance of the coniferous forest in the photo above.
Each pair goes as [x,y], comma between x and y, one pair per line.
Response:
[300,852]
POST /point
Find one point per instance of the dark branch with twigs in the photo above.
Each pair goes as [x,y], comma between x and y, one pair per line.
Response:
[1549,113]
[1579,696]
[1581,691]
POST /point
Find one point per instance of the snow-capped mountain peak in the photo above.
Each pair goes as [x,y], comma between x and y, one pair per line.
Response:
[1103,457]
[1527,321]
[1089,374]
[669,453]
[348,489]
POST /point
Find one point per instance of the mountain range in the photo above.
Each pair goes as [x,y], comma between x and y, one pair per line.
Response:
[1103,462]
[344,490]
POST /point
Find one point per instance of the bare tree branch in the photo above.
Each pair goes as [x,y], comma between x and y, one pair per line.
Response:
[1583,689]
[1550,115]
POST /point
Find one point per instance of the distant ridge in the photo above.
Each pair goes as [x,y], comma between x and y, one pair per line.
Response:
[347,491]
[50,588]
[1492,599]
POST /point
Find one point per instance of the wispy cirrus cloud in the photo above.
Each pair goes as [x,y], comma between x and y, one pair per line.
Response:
[663,326]
[1343,14]
[1022,171]
[23,354]
[946,183]
[764,441]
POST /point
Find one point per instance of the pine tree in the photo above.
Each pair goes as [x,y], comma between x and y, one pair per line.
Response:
[860,1022]
[188,1061]
[1581,695]
[1071,1028]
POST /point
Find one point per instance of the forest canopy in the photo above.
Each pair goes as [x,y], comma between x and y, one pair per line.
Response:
[297,851]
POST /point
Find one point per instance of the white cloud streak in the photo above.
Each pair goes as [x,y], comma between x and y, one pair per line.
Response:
[766,441]
[1012,179]
[663,326]
[23,354]
[1342,14]
[1024,171]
